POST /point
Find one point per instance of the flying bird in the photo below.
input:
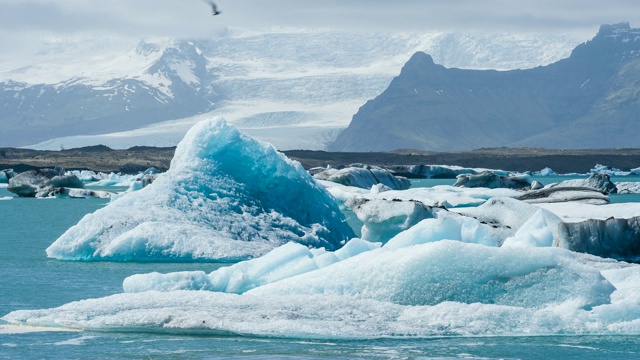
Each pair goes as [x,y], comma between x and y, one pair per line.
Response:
[214,8]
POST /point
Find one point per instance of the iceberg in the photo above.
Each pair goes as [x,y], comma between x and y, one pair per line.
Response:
[283,262]
[382,219]
[441,271]
[43,183]
[502,216]
[442,288]
[6,175]
[600,182]
[363,176]
[565,194]
[611,231]
[491,180]
[628,187]
[226,197]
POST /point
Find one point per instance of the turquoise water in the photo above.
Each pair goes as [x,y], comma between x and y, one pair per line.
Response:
[29,280]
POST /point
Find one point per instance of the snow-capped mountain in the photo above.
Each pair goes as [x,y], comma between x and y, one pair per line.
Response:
[588,100]
[294,88]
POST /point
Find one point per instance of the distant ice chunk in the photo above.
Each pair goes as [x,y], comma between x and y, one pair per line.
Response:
[600,182]
[564,194]
[546,172]
[628,187]
[608,170]
[6,175]
[363,176]
[436,196]
[491,180]
[226,197]
[43,183]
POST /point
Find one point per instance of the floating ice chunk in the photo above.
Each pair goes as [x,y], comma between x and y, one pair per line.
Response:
[383,219]
[628,187]
[42,182]
[600,182]
[539,230]
[546,172]
[226,196]
[604,230]
[563,194]
[364,177]
[283,262]
[444,227]
[578,212]
[503,216]
[488,179]
[446,288]
[434,171]
[540,292]
[437,272]
[603,169]
[436,196]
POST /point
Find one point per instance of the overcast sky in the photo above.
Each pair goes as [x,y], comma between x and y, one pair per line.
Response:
[192,18]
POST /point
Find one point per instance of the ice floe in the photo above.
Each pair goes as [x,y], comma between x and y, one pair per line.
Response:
[423,289]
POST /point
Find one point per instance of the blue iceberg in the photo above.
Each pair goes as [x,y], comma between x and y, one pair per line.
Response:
[226,197]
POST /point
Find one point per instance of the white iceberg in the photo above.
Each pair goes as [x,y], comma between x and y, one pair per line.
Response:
[600,182]
[363,176]
[382,219]
[283,262]
[628,187]
[443,288]
[226,196]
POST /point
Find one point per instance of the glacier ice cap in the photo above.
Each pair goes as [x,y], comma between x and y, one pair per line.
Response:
[226,197]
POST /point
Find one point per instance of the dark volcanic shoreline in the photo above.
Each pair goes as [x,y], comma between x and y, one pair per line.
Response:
[133,160]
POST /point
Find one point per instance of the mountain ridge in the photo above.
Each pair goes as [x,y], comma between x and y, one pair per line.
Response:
[314,79]
[430,107]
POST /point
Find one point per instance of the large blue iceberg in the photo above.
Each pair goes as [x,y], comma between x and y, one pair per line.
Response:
[226,197]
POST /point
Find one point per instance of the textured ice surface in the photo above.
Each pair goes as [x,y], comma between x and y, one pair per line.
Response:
[226,196]
[441,195]
[565,194]
[446,288]
[382,219]
[283,262]
[577,212]
[601,182]
[431,273]
[491,180]
[628,187]
[503,216]
[446,226]
[539,230]
[364,177]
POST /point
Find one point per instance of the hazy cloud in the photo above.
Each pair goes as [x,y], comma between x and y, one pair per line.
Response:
[182,18]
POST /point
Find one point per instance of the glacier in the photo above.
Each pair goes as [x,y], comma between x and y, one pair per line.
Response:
[226,197]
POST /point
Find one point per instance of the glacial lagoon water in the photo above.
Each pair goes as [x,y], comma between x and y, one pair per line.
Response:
[29,280]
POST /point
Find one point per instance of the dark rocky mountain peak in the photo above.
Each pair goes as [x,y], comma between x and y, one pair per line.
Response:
[589,100]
